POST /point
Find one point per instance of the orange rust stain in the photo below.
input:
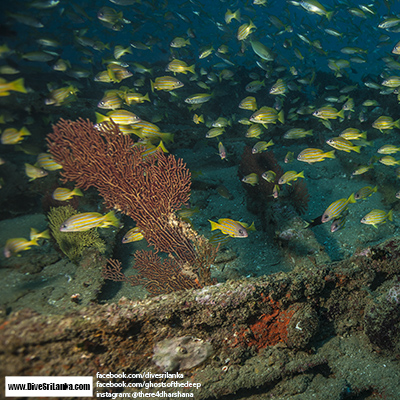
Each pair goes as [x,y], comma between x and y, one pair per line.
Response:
[268,330]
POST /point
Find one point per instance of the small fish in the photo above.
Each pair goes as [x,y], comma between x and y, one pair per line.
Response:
[262,51]
[15,245]
[85,221]
[362,169]
[297,133]
[340,143]
[231,227]
[35,234]
[64,194]
[376,217]
[205,52]
[279,88]
[261,146]
[179,42]
[314,7]
[269,176]
[245,30]
[251,179]
[365,192]
[290,176]
[222,151]
[46,161]
[197,119]
[214,132]
[33,172]
[311,155]
[388,149]
[14,86]
[337,208]
[254,131]
[198,98]
[167,83]
[327,112]
[133,235]
[248,103]
[389,161]
[120,117]
[338,223]
[229,16]
[289,158]
[353,134]
[275,191]
[111,100]
[177,66]
[254,86]
[385,123]
[267,115]
[13,136]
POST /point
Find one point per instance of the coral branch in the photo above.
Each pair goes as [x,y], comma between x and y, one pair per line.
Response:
[148,188]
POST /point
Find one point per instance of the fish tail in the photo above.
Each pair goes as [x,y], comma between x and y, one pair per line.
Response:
[351,199]
[397,123]
[281,117]
[77,192]
[152,85]
[162,147]
[357,148]
[100,118]
[18,85]
[24,132]
[329,15]
[146,97]
[390,215]
[330,154]
[214,225]
[300,174]
[111,219]
[191,69]
[341,113]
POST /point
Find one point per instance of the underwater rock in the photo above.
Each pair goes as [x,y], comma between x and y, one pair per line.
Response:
[181,353]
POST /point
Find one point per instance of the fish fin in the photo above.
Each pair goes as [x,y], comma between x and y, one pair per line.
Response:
[300,174]
[390,215]
[111,219]
[330,154]
[77,192]
[18,85]
[341,113]
[152,85]
[281,117]
[351,199]
[191,69]
[214,225]
[357,148]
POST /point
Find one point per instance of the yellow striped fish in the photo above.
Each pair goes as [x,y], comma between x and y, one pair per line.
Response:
[13,136]
[15,86]
[245,30]
[231,227]
[267,115]
[166,83]
[46,161]
[365,192]
[133,235]
[337,208]
[311,155]
[85,221]
[385,123]
[261,146]
[376,217]
[33,172]
[248,103]
[111,100]
[199,98]
[328,113]
[15,245]
[340,143]
[64,194]
[289,176]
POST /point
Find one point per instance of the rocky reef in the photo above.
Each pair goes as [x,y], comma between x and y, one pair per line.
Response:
[326,331]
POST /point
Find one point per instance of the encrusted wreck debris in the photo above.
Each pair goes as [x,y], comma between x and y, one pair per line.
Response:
[332,331]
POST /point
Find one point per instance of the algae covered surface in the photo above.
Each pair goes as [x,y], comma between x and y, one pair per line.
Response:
[329,331]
